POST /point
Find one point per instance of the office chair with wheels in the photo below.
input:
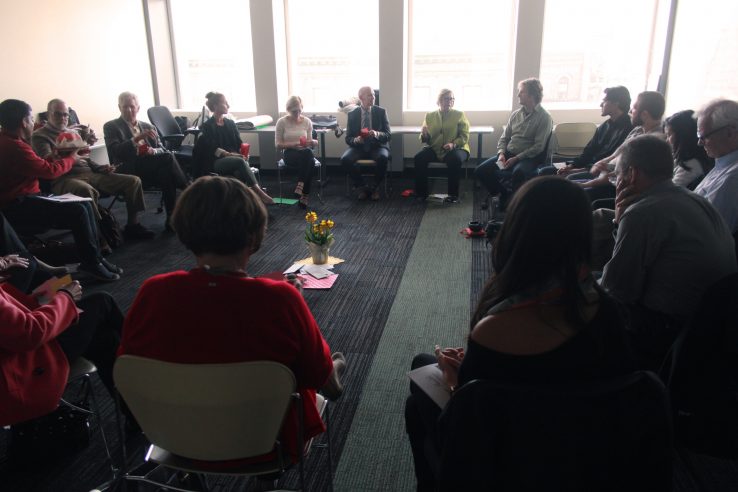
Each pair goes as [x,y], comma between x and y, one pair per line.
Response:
[172,136]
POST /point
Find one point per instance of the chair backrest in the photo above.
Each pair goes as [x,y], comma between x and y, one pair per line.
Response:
[44,117]
[162,119]
[605,435]
[702,374]
[207,411]
[571,138]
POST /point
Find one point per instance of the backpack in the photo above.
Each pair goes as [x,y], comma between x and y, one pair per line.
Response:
[110,228]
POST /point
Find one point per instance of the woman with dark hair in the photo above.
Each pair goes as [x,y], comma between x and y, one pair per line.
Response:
[541,317]
[217,313]
[690,160]
[218,147]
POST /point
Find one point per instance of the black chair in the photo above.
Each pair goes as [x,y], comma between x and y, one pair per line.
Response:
[701,373]
[172,135]
[44,117]
[611,435]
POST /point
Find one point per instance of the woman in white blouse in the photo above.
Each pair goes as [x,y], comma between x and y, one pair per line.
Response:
[294,137]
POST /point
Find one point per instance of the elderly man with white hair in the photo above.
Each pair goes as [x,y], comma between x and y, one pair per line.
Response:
[134,148]
[717,132]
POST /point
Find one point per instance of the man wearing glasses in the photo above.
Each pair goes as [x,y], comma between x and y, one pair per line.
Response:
[87,177]
[717,132]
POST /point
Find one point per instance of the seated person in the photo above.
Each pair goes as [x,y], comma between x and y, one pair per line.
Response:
[367,135]
[294,137]
[88,178]
[690,160]
[608,136]
[445,134]
[217,313]
[20,170]
[218,147]
[671,245]
[38,342]
[718,134]
[541,317]
[520,146]
[21,269]
[645,115]
[134,148]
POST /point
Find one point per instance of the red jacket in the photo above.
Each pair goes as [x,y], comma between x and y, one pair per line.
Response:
[199,318]
[21,168]
[33,368]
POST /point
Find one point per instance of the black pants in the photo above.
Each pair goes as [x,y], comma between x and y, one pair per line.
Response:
[304,161]
[380,155]
[160,170]
[34,212]
[421,425]
[453,160]
[96,335]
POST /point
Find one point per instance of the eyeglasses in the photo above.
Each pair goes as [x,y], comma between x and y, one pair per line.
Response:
[449,99]
[707,135]
[59,114]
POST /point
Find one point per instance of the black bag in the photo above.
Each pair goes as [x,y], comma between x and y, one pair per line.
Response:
[323,121]
[110,228]
[63,431]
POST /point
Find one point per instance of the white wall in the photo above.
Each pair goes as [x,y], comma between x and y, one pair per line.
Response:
[86,53]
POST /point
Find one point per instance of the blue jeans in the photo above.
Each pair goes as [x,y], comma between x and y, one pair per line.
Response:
[504,181]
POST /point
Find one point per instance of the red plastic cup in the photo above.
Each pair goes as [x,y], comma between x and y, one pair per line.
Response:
[143,149]
[303,141]
[245,150]
[364,132]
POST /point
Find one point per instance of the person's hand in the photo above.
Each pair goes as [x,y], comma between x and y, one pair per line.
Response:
[91,137]
[313,143]
[449,360]
[294,280]
[12,261]
[373,134]
[599,167]
[568,169]
[450,146]
[511,161]
[358,140]
[144,135]
[106,169]
[74,289]
[501,159]
[625,195]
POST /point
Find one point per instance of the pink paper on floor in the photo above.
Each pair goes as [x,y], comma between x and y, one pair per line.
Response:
[310,282]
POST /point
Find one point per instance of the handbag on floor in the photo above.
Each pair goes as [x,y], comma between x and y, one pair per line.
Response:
[63,431]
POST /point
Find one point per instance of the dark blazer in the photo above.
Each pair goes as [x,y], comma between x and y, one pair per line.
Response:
[213,137]
[380,124]
[119,141]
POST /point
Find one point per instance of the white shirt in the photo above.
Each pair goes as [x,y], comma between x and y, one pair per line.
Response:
[720,187]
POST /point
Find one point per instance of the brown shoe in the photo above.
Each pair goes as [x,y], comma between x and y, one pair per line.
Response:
[375,195]
[363,194]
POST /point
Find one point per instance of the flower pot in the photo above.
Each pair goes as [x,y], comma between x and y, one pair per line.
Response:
[319,252]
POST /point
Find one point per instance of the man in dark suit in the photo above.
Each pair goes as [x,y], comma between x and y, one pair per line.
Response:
[134,148]
[367,135]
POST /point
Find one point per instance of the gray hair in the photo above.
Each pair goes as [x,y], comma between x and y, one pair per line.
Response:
[125,95]
[647,153]
[720,112]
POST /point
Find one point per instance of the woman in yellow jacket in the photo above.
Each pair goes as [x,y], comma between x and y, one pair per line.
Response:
[445,134]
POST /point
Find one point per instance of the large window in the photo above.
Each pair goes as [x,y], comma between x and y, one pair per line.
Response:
[589,45]
[332,49]
[703,55]
[213,52]
[463,45]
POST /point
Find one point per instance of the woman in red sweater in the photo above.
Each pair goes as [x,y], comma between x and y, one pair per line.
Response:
[216,313]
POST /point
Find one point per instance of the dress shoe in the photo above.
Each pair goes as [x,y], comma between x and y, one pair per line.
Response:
[111,267]
[99,272]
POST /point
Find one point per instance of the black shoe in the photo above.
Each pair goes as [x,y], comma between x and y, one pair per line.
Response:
[99,272]
[168,226]
[137,231]
[111,267]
